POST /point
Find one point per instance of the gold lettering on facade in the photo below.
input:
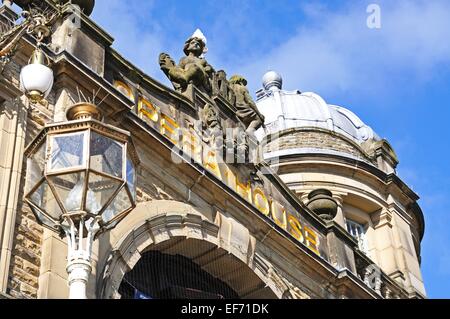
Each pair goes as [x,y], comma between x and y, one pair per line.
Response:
[295,228]
[279,215]
[261,201]
[191,144]
[148,110]
[211,164]
[230,179]
[169,128]
[312,240]
[244,189]
[124,89]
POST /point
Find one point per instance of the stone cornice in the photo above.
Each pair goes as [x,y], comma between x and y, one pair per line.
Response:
[143,79]
[365,167]
[92,28]
[387,179]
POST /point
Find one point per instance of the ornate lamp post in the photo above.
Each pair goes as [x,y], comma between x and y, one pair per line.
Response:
[81,182]
[36,78]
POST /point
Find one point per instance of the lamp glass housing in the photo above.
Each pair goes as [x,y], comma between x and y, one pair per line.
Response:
[81,166]
[36,78]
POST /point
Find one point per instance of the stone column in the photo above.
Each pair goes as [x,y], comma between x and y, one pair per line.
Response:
[13,121]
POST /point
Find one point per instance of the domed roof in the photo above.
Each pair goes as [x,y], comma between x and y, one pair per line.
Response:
[292,109]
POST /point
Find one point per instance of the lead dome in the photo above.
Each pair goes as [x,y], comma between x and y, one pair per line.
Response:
[314,126]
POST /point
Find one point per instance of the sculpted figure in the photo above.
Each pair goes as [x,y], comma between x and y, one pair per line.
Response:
[247,110]
[192,69]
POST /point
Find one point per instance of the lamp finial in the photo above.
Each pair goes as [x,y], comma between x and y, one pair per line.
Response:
[83,110]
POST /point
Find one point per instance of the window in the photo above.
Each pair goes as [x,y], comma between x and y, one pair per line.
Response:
[359,233]
[164,276]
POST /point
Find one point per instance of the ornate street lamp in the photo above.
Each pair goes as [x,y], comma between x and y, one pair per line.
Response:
[36,78]
[81,182]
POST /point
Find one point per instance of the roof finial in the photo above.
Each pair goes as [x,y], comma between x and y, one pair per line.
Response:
[272,81]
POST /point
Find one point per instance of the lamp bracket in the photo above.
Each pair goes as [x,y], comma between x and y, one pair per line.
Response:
[80,233]
[36,22]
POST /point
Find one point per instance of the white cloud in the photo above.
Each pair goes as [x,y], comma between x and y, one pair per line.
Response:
[338,53]
[137,34]
[330,52]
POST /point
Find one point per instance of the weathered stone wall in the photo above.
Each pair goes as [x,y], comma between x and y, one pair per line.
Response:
[314,139]
[26,254]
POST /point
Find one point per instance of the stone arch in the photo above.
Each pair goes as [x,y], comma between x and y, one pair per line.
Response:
[157,224]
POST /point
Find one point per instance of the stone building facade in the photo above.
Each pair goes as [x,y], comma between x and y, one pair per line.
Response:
[250,230]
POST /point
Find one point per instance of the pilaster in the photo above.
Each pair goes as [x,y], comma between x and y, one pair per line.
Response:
[13,123]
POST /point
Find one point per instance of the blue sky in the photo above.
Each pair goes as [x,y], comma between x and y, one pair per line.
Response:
[395,78]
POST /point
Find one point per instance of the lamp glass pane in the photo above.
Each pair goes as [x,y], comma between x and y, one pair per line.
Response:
[112,225]
[45,200]
[44,219]
[35,168]
[69,188]
[100,191]
[106,155]
[131,178]
[67,151]
[120,204]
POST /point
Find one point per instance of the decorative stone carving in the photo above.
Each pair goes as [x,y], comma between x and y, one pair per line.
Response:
[247,110]
[192,69]
[221,87]
[322,203]
[212,129]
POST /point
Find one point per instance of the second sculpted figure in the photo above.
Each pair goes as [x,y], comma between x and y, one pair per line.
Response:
[247,111]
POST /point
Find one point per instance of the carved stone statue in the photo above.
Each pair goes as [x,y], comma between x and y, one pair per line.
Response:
[192,69]
[247,110]
[219,95]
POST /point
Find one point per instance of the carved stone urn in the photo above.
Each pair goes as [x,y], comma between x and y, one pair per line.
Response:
[322,203]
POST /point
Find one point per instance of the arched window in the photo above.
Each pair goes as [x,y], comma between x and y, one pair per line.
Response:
[164,276]
[358,231]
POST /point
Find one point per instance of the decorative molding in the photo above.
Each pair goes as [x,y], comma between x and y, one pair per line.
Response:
[381,218]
